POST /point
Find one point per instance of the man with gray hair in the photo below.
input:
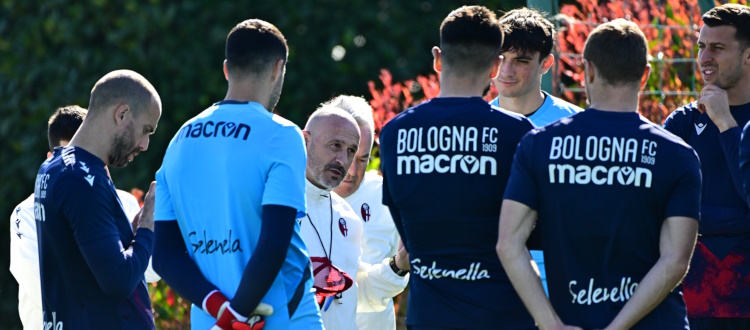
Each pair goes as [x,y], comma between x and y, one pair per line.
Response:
[364,193]
[332,231]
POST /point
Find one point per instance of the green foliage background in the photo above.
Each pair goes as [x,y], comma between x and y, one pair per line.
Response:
[53,51]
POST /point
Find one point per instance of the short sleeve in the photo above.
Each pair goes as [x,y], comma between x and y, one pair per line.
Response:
[129,204]
[384,162]
[163,207]
[286,159]
[522,185]
[685,197]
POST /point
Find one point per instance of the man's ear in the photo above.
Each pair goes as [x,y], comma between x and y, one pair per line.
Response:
[495,71]
[547,63]
[646,72]
[122,112]
[589,71]
[277,71]
[307,137]
[437,64]
[226,72]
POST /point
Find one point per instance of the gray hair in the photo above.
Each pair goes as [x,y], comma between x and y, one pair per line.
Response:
[358,108]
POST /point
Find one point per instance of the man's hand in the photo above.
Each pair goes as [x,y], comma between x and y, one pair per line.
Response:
[145,218]
[402,259]
[715,102]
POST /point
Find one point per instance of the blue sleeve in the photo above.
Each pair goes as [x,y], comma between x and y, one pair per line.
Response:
[522,186]
[395,213]
[173,263]
[118,269]
[745,161]
[163,207]
[730,143]
[268,257]
[286,160]
[387,198]
[685,196]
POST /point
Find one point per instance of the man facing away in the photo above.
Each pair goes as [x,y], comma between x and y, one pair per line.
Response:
[332,231]
[364,193]
[616,198]
[229,190]
[91,261]
[445,166]
[24,249]
[717,288]
[526,57]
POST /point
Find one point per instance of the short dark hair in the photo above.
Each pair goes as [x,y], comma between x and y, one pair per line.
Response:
[254,46]
[63,124]
[619,51]
[527,32]
[733,15]
[470,38]
[122,87]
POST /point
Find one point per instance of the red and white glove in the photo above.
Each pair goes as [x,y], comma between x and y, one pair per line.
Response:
[217,305]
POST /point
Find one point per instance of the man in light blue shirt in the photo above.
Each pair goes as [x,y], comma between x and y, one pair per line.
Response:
[526,52]
[230,187]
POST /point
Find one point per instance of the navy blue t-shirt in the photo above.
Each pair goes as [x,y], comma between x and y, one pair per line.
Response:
[445,165]
[91,264]
[603,183]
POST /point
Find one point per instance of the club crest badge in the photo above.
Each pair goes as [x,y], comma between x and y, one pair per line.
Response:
[365,211]
[342,227]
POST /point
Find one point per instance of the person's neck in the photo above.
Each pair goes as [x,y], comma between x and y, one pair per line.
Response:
[614,99]
[316,185]
[466,86]
[246,92]
[739,94]
[524,104]
[90,141]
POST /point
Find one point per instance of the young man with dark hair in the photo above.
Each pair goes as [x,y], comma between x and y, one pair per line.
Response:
[24,248]
[91,260]
[230,187]
[717,288]
[459,145]
[616,198]
[526,57]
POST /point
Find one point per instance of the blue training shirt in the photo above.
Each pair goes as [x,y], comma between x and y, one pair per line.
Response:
[218,172]
[551,110]
[603,183]
[91,264]
[445,165]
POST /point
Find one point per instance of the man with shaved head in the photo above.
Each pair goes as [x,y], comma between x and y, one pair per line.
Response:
[332,231]
[91,260]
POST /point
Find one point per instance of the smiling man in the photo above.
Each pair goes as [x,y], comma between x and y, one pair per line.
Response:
[526,52]
[717,288]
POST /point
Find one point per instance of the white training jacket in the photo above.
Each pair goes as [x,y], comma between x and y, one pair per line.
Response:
[24,258]
[375,284]
[379,240]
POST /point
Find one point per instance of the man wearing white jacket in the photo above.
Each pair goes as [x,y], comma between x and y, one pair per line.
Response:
[364,193]
[24,251]
[333,231]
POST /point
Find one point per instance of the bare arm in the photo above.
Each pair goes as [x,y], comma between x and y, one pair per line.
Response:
[676,243]
[516,222]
